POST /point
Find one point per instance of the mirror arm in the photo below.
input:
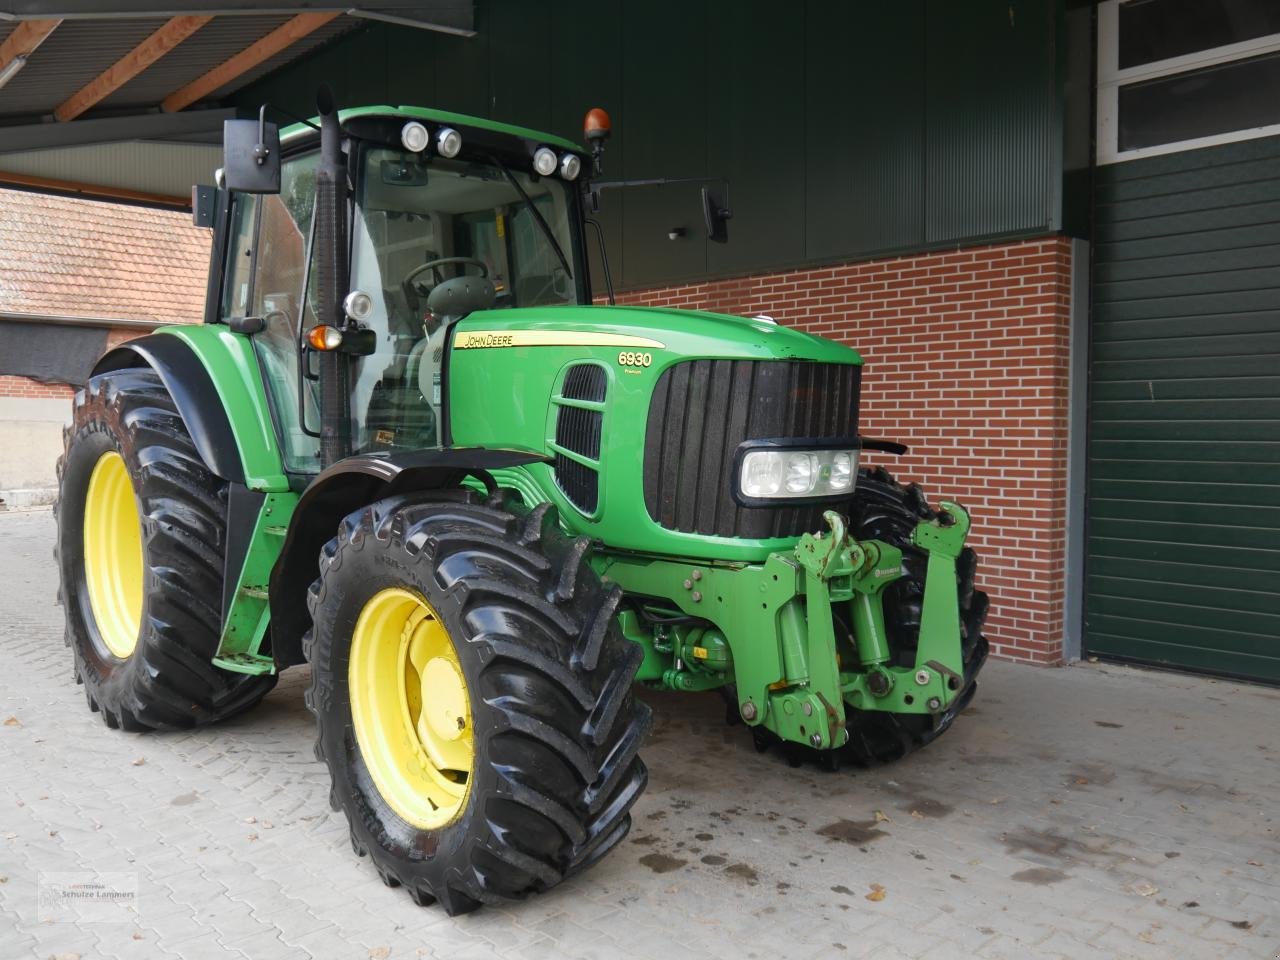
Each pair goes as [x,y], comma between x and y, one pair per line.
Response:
[260,151]
[598,185]
[604,258]
[719,212]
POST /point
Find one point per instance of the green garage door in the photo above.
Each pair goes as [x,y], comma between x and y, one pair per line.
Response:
[1184,443]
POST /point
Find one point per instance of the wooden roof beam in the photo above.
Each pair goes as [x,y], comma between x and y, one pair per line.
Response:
[129,66]
[24,40]
[263,49]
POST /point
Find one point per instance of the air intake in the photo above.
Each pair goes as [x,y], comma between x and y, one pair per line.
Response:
[586,381]
[579,424]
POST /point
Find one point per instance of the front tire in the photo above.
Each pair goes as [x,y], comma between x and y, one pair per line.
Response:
[142,526]
[473,699]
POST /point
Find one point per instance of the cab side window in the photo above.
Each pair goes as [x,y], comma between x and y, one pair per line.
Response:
[283,224]
[238,278]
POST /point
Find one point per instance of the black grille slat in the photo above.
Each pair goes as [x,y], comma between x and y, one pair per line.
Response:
[579,430]
[652,470]
[580,484]
[674,426]
[713,454]
[586,381]
[695,420]
[701,410]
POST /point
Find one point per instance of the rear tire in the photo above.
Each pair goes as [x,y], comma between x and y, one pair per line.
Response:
[553,728]
[158,674]
[886,510]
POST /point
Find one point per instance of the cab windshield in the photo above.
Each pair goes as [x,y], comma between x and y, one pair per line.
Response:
[420,223]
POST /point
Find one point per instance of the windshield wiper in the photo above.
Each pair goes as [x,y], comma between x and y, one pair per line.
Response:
[537,214]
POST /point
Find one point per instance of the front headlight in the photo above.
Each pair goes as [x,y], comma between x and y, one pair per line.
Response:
[783,474]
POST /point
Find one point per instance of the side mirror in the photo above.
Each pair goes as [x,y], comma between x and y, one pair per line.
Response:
[251,155]
[716,216]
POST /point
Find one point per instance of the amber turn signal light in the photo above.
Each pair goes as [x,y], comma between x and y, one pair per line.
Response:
[323,337]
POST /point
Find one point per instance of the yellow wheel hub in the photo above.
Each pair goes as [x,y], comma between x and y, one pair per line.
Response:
[410,709]
[113,555]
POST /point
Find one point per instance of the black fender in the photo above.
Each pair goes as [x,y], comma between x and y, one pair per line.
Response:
[345,487]
[191,387]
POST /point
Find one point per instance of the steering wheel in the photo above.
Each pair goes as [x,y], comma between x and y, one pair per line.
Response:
[443,261]
[413,295]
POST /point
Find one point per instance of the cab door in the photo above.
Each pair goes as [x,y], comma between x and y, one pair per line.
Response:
[264,270]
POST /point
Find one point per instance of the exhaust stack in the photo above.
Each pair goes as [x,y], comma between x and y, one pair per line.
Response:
[332,281]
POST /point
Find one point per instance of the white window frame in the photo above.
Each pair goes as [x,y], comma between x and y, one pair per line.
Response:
[1111,78]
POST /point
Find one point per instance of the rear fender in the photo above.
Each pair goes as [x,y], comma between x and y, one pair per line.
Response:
[345,487]
[187,381]
[212,375]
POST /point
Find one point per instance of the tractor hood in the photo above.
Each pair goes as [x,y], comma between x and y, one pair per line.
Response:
[686,334]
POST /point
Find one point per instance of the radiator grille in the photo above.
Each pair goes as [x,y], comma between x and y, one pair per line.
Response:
[578,431]
[703,409]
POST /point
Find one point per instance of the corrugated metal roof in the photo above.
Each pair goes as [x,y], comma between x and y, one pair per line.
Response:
[73,55]
[80,49]
[305,45]
[113,143]
[213,44]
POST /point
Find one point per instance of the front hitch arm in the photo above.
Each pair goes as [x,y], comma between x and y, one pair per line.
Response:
[937,677]
[939,648]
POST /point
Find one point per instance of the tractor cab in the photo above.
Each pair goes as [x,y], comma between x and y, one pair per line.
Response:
[442,218]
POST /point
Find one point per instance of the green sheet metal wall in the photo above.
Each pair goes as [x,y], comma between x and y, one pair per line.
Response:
[846,130]
[1184,452]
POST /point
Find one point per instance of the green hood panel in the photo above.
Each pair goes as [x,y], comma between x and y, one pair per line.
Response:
[685,334]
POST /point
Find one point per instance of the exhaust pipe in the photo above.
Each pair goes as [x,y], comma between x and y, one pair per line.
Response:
[332,280]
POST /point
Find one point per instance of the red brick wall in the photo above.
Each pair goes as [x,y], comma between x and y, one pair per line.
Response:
[966,361]
[26,387]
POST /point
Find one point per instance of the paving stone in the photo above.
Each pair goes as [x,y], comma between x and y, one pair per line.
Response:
[1036,828]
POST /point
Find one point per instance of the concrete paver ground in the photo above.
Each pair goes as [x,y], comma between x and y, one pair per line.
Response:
[1093,811]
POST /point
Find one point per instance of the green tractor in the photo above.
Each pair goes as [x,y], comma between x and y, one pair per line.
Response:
[407,450]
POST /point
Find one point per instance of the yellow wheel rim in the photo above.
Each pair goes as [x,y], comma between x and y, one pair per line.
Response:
[410,709]
[113,555]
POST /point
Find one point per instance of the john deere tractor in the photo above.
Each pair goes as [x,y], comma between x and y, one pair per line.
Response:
[405,448]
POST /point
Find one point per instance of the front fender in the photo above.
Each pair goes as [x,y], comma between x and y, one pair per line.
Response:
[344,487]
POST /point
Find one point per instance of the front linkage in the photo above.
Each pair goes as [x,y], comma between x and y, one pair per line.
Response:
[792,674]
